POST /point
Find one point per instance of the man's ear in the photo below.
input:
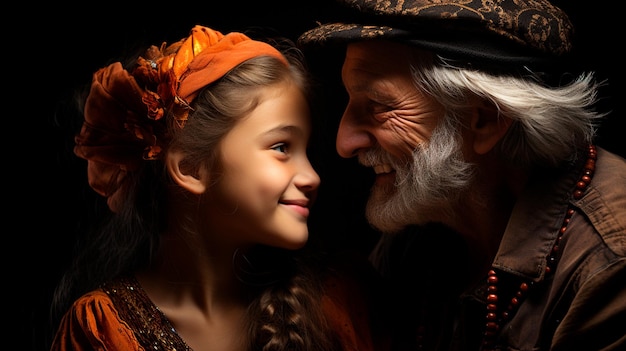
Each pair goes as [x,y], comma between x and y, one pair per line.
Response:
[193,182]
[488,127]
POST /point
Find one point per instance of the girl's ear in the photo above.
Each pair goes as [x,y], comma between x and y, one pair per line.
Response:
[487,127]
[192,182]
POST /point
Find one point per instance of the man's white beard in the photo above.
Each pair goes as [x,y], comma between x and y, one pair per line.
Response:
[425,190]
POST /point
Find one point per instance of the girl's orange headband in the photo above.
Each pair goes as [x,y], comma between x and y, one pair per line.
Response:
[124,111]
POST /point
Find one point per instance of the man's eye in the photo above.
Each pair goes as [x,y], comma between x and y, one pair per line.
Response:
[280,147]
[378,107]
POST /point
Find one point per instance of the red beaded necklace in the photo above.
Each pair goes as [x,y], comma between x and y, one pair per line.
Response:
[495,318]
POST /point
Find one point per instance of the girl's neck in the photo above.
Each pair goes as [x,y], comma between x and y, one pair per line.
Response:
[199,294]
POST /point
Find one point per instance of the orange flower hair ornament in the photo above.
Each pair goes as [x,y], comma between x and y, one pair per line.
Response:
[124,112]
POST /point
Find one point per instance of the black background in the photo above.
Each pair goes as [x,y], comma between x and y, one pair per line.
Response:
[54,49]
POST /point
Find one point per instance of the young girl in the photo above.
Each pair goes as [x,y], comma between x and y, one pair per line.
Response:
[201,151]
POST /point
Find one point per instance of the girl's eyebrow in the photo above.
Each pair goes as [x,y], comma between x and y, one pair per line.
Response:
[285,128]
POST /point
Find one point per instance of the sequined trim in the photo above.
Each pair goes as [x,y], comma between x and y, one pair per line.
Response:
[152,329]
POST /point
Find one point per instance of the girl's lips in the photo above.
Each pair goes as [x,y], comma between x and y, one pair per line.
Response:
[301,210]
[298,206]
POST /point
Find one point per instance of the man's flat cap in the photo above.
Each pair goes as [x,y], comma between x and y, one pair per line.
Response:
[509,33]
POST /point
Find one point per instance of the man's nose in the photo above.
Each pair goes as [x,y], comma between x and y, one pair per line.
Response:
[352,136]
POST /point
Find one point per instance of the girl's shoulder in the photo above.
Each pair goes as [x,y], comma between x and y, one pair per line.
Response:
[93,322]
[117,316]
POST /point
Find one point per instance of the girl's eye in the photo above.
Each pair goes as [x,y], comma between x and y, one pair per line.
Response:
[280,147]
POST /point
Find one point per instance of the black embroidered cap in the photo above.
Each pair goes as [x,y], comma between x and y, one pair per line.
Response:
[505,33]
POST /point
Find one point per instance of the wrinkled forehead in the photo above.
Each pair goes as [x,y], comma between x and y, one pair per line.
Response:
[395,56]
[377,47]
[378,51]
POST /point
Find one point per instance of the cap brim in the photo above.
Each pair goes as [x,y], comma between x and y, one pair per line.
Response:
[468,48]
